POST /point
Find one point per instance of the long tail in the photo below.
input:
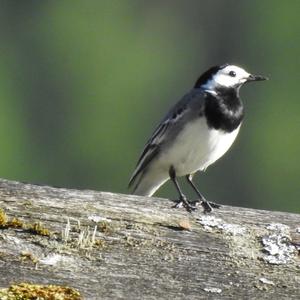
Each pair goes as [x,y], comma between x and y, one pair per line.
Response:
[147,183]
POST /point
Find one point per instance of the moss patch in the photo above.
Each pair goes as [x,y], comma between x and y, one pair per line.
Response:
[35,228]
[105,227]
[15,223]
[25,291]
[3,218]
[38,228]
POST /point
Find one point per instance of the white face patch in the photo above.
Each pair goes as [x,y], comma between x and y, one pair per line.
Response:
[230,76]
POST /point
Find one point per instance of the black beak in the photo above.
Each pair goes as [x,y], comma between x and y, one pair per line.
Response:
[256,78]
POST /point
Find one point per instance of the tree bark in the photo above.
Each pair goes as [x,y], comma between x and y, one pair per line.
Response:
[113,246]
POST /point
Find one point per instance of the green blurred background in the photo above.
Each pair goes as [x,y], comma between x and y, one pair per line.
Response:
[84,83]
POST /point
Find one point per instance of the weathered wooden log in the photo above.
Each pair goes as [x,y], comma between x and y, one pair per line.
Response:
[112,246]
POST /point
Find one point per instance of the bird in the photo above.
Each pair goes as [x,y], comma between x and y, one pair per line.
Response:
[194,134]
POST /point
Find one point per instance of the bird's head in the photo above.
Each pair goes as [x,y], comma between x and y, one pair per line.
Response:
[225,76]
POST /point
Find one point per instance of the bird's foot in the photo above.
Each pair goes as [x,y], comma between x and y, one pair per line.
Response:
[183,202]
[208,206]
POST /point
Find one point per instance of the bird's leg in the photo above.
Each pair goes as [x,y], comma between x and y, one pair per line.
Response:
[207,206]
[182,198]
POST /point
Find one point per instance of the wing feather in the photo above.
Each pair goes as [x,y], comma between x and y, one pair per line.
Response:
[162,131]
[152,147]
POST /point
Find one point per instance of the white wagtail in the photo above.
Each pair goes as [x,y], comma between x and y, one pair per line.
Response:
[196,132]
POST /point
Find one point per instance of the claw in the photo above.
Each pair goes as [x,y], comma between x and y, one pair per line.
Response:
[214,205]
[187,205]
[208,206]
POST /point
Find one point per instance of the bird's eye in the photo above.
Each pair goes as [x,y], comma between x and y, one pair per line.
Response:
[232,74]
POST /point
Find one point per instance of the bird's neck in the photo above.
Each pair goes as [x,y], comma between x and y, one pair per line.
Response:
[224,109]
[230,97]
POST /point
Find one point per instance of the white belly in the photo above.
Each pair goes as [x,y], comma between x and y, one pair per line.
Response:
[197,147]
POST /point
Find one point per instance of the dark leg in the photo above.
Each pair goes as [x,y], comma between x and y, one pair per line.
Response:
[207,206]
[182,197]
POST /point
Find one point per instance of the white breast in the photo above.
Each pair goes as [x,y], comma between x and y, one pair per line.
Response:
[197,147]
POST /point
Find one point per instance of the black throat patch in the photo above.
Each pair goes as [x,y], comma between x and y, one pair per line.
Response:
[225,110]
